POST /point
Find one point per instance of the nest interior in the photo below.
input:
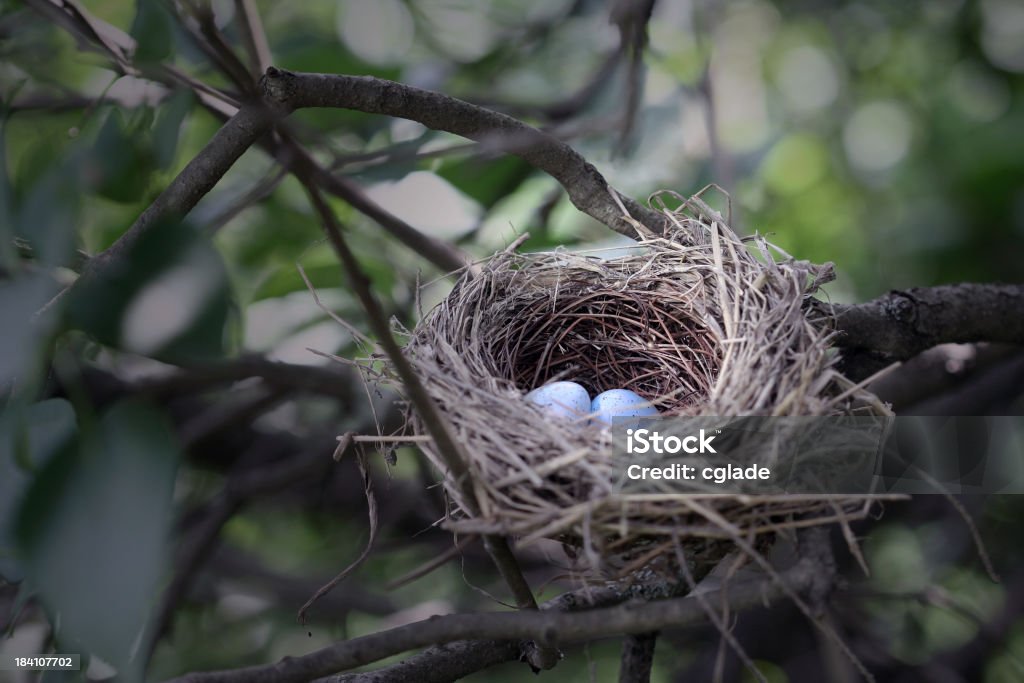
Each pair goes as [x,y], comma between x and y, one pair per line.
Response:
[698,321]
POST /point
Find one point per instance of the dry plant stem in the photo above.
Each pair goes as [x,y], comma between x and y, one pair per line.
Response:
[429,566]
[546,626]
[496,546]
[371,502]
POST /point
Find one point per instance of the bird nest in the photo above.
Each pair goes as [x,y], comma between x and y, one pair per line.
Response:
[698,321]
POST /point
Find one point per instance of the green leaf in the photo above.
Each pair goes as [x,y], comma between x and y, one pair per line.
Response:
[25,333]
[166,297]
[122,161]
[29,437]
[167,127]
[46,215]
[486,181]
[153,30]
[93,532]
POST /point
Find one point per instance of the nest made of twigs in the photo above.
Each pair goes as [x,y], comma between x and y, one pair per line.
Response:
[698,321]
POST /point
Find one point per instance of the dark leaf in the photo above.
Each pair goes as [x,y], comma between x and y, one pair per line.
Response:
[23,340]
[29,437]
[153,30]
[93,533]
[168,127]
[486,181]
[122,162]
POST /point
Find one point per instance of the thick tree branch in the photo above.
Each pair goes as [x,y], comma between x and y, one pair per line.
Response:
[901,324]
[637,657]
[587,188]
[453,661]
[439,664]
[546,626]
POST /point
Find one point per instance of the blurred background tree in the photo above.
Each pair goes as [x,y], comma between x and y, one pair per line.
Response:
[165,459]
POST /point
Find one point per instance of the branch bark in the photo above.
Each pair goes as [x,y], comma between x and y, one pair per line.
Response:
[453,661]
[637,658]
[901,324]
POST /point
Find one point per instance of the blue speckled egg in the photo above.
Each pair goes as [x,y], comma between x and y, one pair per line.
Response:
[620,403]
[563,400]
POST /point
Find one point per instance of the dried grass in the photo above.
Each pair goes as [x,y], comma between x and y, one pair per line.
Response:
[699,322]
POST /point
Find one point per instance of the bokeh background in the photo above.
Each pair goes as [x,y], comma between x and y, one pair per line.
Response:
[140,414]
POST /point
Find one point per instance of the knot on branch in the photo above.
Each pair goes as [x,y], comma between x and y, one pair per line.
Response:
[277,86]
[900,307]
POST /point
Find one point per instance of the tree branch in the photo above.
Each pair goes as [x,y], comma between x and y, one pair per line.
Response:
[241,487]
[297,159]
[637,657]
[453,661]
[439,664]
[327,380]
[545,626]
[195,180]
[587,188]
[901,324]
[253,35]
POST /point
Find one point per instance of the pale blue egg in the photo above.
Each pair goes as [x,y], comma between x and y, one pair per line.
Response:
[620,403]
[563,400]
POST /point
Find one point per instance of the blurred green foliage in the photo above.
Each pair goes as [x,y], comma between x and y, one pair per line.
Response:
[882,136]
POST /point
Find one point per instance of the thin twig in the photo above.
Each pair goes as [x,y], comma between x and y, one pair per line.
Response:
[429,566]
[255,38]
[371,504]
[450,450]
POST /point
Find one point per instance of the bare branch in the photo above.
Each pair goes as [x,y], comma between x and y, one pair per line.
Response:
[439,664]
[901,324]
[442,254]
[194,181]
[255,38]
[586,187]
[545,626]
[453,661]
[327,380]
